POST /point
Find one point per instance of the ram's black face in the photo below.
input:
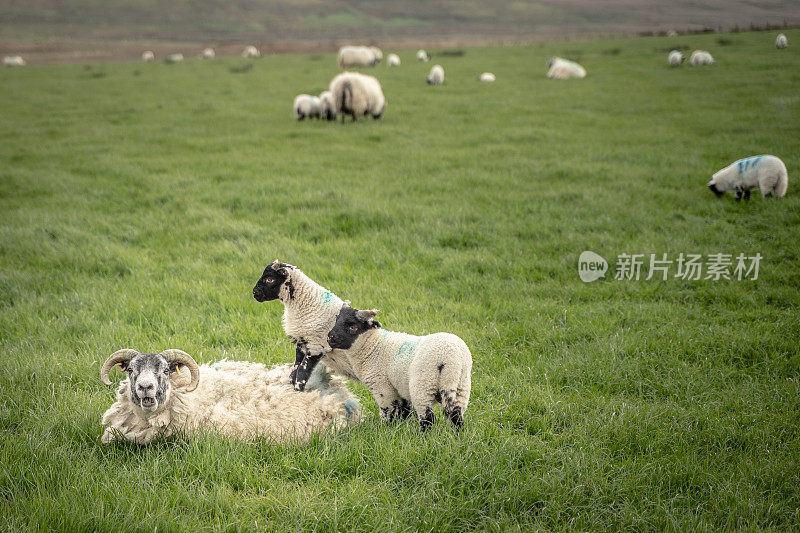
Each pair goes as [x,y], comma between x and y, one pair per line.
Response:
[348,327]
[268,287]
[149,379]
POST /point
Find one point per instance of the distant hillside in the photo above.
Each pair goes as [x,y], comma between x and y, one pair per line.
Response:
[323,25]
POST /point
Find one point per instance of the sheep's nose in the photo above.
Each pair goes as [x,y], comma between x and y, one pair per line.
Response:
[145,387]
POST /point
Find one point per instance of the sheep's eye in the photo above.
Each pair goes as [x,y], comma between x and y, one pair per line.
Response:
[353,328]
[269,280]
[166,372]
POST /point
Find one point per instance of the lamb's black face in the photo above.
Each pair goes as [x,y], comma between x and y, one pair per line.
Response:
[713,187]
[349,325]
[149,379]
[268,287]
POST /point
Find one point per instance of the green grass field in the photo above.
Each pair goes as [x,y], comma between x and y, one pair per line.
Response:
[140,203]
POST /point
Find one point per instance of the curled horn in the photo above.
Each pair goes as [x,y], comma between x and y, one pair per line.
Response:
[115,358]
[366,314]
[174,355]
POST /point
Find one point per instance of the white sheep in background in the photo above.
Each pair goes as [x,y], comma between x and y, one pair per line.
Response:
[393,60]
[306,105]
[148,55]
[357,95]
[208,53]
[436,75]
[359,56]
[239,399]
[174,58]
[487,77]
[398,368]
[13,61]
[700,57]
[766,172]
[562,69]
[251,51]
[327,107]
[422,55]
[781,41]
[309,313]
[675,58]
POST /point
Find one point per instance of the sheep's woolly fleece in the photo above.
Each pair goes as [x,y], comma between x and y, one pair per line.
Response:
[239,399]
[766,172]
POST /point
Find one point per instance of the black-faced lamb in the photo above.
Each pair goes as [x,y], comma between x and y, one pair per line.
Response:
[239,399]
[402,370]
[309,313]
[766,172]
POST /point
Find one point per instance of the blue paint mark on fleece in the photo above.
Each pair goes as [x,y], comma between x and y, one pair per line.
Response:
[747,163]
[328,297]
[406,350]
[351,406]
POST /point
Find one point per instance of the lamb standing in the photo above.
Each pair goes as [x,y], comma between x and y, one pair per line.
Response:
[562,69]
[781,41]
[766,172]
[239,399]
[398,368]
[700,57]
[306,105]
[327,107]
[148,55]
[422,55]
[436,75]
[309,313]
[393,60]
[675,58]
[208,53]
[357,95]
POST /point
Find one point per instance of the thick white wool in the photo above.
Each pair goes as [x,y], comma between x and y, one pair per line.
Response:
[675,58]
[700,57]
[306,105]
[359,56]
[436,75]
[561,69]
[240,399]
[766,172]
[393,60]
[357,95]
[781,41]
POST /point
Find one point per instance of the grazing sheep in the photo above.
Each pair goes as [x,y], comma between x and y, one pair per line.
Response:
[393,60]
[208,53]
[327,106]
[487,76]
[306,105]
[398,368]
[436,75]
[766,172]
[700,57]
[174,58]
[672,33]
[422,55]
[675,58]
[309,313]
[148,55]
[781,41]
[239,399]
[13,61]
[357,95]
[562,69]
[359,56]
[251,51]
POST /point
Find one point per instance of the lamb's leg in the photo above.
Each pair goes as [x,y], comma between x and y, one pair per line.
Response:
[739,193]
[304,371]
[300,354]
[385,395]
[747,194]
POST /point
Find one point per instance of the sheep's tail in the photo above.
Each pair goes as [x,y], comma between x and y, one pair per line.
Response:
[454,385]
[782,184]
[344,96]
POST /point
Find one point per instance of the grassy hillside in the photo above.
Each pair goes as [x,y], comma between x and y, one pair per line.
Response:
[276,21]
[141,202]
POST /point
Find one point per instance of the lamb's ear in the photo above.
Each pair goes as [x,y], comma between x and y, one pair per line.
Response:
[279,267]
[376,324]
[366,315]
